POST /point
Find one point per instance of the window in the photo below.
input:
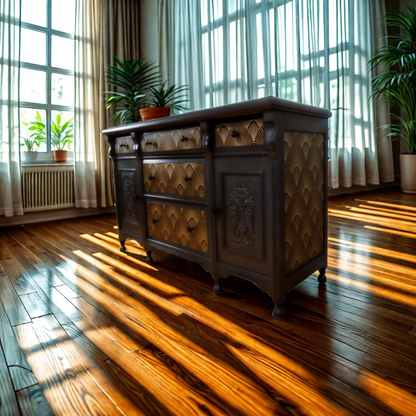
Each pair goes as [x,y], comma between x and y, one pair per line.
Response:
[46,66]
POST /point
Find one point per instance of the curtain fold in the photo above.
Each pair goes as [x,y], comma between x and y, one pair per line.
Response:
[103,28]
[311,51]
[10,177]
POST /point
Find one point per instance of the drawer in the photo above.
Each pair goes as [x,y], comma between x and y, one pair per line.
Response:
[175,178]
[184,227]
[124,145]
[168,140]
[240,133]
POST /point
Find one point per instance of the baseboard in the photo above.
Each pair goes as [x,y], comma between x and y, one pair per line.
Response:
[356,189]
[54,215]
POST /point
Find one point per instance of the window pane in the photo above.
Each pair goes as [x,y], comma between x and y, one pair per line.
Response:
[65,117]
[63,15]
[34,11]
[33,86]
[33,130]
[62,90]
[62,53]
[33,47]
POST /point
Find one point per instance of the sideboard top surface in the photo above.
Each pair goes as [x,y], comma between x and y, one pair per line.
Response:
[226,111]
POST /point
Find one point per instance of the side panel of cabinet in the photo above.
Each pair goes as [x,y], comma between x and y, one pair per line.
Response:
[240,185]
[127,186]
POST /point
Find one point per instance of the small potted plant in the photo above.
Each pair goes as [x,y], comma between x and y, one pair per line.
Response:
[397,86]
[61,136]
[161,100]
[35,136]
[132,79]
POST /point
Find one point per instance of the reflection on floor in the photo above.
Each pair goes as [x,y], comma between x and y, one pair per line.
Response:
[85,329]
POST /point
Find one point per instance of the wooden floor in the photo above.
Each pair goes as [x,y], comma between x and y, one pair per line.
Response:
[85,329]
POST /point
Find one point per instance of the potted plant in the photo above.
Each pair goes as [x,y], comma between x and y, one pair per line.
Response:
[35,136]
[61,136]
[161,100]
[132,79]
[397,86]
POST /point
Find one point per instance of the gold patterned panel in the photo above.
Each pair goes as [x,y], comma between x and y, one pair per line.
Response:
[177,225]
[168,140]
[304,198]
[175,178]
[240,133]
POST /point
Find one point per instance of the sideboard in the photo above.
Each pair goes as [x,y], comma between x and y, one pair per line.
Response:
[240,189]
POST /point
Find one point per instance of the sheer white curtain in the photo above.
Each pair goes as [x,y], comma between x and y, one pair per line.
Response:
[311,51]
[103,28]
[10,182]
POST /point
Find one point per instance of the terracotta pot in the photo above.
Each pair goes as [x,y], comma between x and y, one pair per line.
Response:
[154,112]
[408,173]
[60,156]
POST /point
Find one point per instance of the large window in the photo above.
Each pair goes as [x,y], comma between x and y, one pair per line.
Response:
[46,67]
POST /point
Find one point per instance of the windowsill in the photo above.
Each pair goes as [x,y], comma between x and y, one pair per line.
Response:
[47,159]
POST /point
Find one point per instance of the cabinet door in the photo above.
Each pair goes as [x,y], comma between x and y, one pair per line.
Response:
[127,193]
[240,185]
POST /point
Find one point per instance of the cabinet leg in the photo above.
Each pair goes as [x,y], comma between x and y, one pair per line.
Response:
[123,246]
[218,287]
[149,258]
[278,311]
[322,276]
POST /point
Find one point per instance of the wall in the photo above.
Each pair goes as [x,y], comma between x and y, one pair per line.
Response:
[149,34]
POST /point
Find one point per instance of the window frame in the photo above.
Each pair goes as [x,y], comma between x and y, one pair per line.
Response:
[49,69]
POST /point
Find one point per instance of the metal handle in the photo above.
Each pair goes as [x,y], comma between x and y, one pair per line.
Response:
[123,145]
[188,178]
[152,178]
[184,139]
[190,229]
[148,143]
[235,133]
[155,221]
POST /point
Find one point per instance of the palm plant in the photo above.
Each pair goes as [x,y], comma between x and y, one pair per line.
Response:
[172,97]
[61,135]
[132,79]
[36,135]
[397,85]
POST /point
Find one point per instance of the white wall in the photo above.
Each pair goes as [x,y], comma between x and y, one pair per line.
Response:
[149,41]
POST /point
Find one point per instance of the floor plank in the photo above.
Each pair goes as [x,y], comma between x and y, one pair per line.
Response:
[107,333]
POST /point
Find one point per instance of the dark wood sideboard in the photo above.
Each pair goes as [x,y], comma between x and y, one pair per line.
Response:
[240,189]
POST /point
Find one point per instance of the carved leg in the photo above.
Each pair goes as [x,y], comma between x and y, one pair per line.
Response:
[322,277]
[218,287]
[149,258]
[278,311]
[122,245]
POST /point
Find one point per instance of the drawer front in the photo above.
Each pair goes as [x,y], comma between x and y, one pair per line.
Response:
[168,140]
[124,145]
[175,178]
[240,133]
[184,227]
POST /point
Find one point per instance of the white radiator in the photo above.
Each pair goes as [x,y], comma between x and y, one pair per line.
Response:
[47,187]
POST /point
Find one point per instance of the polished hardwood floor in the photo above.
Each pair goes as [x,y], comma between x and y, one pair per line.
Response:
[85,329]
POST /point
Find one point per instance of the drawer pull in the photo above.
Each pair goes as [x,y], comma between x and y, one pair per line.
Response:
[155,221]
[152,178]
[190,229]
[188,178]
[184,139]
[148,143]
[123,145]
[235,133]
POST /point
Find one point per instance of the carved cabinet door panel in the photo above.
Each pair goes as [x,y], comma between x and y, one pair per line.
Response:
[240,189]
[127,201]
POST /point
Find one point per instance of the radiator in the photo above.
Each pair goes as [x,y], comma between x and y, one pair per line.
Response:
[47,187]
